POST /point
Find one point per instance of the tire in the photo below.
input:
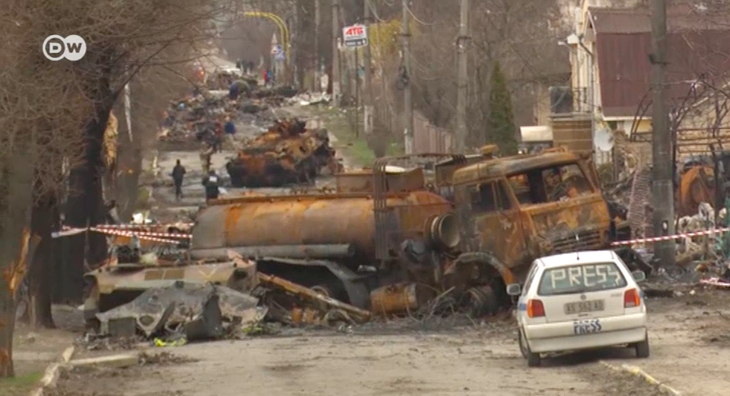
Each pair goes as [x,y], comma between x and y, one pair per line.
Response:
[533,359]
[642,348]
[523,347]
[482,301]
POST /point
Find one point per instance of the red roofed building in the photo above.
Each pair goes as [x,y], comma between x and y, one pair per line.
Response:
[610,60]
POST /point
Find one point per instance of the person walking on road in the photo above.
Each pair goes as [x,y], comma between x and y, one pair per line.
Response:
[206,151]
[178,172]
[210,183]
[229,129]
[218,137]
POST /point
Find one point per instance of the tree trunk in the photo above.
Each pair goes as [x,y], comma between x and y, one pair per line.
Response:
[129,160]
[44,218]
[85,205]
[15,172]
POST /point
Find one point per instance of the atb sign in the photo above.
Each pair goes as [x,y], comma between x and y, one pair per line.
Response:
[57,47]
[355,36]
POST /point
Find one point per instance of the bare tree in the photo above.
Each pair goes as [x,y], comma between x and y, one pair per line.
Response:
[56,112]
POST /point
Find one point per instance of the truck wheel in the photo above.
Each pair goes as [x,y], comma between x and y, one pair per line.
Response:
[533,359]
[481,301]
[642,348]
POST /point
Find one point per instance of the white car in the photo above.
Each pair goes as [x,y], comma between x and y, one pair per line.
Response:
[577,301]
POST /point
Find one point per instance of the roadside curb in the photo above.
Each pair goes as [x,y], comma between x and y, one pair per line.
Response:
[50,377]
[634,370]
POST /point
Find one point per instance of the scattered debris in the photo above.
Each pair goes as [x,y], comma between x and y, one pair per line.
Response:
[200,116]
[183,311]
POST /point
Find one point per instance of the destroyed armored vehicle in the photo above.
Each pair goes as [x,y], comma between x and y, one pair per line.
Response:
[286,154]
[114,285]
[391,241]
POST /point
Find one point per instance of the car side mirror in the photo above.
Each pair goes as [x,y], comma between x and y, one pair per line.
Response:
[514,289]
[638,276]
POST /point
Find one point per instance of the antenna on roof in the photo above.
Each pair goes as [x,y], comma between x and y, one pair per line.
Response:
[577,253]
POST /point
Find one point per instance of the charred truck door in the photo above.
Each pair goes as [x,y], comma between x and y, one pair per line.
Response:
[494,223]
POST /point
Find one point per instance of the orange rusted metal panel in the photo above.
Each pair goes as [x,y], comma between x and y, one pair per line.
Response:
[695,187]
[309,220]
[399,298]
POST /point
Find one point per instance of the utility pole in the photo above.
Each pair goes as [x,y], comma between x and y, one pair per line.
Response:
[407,92]
[662,147]
[463,83]
[318,58]
[335,52]
[368,108]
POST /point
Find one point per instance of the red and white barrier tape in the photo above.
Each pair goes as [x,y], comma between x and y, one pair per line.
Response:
[143,233]
[140,226]
[66,231]
[671,237]
[147,238]
[715,282]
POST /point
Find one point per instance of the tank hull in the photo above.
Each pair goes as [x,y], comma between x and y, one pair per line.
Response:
[311,220]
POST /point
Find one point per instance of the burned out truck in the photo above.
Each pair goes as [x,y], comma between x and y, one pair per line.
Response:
[392,241]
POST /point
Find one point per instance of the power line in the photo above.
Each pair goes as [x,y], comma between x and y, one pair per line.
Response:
[415,18]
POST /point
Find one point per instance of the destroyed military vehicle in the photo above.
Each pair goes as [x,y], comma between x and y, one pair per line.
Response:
[114,285]
[287,153]
[391,241]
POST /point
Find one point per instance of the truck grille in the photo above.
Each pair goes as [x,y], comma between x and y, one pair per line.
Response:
[587,240]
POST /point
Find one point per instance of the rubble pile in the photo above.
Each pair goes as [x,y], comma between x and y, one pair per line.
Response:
[288,153]
[199,116]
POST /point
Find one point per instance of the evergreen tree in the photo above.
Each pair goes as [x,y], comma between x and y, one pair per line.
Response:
[501,124]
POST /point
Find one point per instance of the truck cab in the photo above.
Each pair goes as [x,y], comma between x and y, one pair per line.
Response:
[512,210]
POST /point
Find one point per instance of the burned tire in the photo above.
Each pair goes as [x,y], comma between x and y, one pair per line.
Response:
[481,301]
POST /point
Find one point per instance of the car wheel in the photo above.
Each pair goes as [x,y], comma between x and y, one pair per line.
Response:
[642,348]
[533,359]
[523,347]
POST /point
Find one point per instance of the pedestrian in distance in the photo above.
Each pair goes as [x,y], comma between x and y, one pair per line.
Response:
[178,173]
[218,137]
[229,129]
[206,152]
[210,183]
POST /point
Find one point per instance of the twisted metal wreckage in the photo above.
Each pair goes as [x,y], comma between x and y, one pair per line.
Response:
[438,231]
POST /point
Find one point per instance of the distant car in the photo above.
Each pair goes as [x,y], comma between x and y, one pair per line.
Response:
[578,301]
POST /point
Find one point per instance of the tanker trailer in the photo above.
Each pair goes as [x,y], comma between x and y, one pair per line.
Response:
[328,241]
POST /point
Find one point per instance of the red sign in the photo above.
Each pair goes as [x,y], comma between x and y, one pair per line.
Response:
[354,31]
[355,36]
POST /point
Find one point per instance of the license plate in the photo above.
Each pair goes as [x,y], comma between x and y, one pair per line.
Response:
[583,306]
[589,326]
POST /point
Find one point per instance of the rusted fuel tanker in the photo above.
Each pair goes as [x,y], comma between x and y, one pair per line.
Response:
[335,226]
[391,241]
[331,241]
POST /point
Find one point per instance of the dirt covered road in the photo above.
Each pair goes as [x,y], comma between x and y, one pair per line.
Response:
[689,337]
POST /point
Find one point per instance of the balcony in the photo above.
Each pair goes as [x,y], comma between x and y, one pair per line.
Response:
[564,99]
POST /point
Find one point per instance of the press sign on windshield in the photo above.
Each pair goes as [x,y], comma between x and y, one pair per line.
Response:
[581,279]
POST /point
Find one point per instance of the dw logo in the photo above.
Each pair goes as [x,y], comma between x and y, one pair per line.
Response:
[72,47]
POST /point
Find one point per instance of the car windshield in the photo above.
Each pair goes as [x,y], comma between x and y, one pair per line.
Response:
[581,278]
